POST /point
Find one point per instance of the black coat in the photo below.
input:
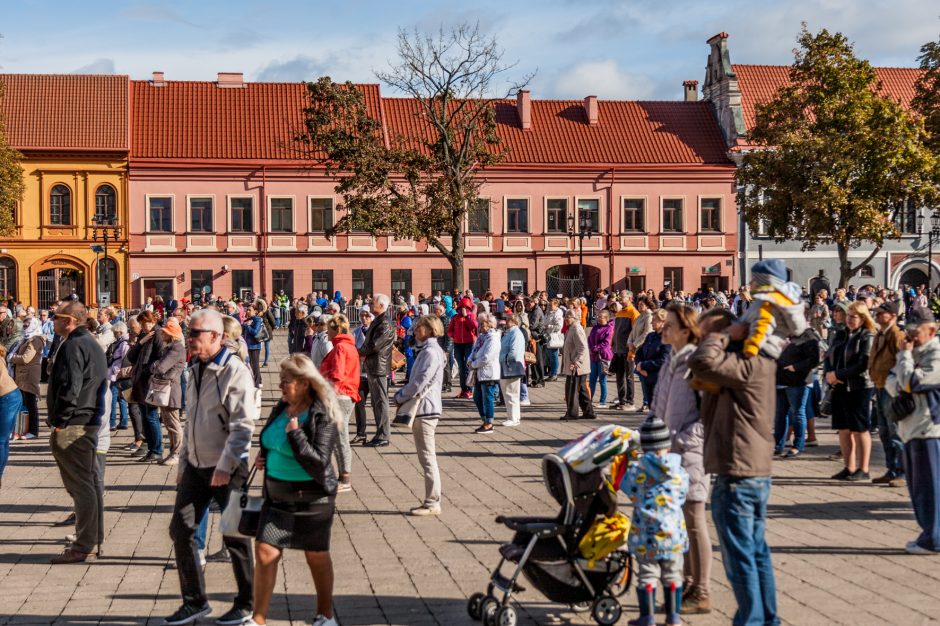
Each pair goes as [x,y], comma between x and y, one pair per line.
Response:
[803,354]
[848,358]
[142,356]
[651,355]
[313,445]
[377,346]
[296,335]
[78,372]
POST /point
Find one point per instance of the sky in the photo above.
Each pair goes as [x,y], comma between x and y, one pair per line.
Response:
[615,49]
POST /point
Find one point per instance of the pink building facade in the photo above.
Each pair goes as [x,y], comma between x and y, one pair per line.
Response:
[219,203]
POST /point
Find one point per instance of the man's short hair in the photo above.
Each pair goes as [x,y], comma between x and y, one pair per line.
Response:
[211,320]
[717,319]
[73,308]
[381,299]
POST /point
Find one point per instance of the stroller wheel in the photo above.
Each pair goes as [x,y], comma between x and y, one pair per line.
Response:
[606,611]
[475,606]
[488,610]
[506,616]
[581,607]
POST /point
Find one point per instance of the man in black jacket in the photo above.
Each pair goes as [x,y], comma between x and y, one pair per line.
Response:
[795,370]
[78,372]
[377,351]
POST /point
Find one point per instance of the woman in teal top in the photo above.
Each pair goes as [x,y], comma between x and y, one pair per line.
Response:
[297,445]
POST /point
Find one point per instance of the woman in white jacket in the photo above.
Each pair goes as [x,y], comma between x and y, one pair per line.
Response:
[484,362]
[554,322]
[512,368]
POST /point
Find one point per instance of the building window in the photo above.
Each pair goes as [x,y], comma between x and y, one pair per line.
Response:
[7,278]
[478,218]
[401,281]
[672,216]
[479,282]
[518,280]
[321,215]
[282,280]
[905,218]
[672,278]
[711,215]
[636,283]
[282,215]
[361,282]
[108,275]
[323,281]
[201,281]
[634,215]
[589,214]
[200,215]
[442,280]
[517,215]
[761,228]
[160,210]
[866,271]
[243,284]
[242,214]
[60,206]
[556,218]
[105,205]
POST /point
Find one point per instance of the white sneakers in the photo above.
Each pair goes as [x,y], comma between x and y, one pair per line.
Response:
[525,402]
[912,547]
[512,422]
[421,511]
[322,620]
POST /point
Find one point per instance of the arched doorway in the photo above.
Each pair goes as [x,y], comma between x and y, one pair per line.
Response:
[913,276]
[566,280]
[59,283]
[8,278]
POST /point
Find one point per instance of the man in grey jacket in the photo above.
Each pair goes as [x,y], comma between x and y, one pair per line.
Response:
[918,372]
[213,464]
[377,351]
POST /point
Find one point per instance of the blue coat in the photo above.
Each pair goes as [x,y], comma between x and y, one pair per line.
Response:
[657,486]
[250,330]
[651,355]
[512,353]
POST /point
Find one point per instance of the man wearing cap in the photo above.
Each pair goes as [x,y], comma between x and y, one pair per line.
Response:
[917,372]
[883,356]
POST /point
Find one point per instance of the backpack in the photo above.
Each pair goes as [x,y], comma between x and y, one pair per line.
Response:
[109,352]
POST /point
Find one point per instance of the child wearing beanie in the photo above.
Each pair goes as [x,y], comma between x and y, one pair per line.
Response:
[657,486]
[777,312]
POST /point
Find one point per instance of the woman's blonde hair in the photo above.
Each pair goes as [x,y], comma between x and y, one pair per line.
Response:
[231,329]
[300,367]
[432,323]
[660,314]
[339,323]
[861,309]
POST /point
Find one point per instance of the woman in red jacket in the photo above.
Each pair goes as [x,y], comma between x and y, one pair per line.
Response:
[341,368]
[463,330]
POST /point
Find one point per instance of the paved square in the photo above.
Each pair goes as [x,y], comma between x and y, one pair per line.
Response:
[838,547]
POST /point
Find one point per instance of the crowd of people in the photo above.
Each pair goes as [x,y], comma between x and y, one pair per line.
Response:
[705,363]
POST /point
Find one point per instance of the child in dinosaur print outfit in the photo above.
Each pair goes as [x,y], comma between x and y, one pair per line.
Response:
[657,486]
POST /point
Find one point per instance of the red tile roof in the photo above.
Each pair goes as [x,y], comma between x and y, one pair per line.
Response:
[65,111]
[627,132]
[199,120]
[759,83]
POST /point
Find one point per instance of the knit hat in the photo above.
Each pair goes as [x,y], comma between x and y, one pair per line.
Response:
[654,435]
[769,273]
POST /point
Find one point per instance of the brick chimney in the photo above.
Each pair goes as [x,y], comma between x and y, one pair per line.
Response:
[690,90]
[231,79]
[158,80]
[590,109]
[524,109]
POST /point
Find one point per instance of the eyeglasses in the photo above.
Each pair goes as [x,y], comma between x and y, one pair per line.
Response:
[195,332]
[63,316]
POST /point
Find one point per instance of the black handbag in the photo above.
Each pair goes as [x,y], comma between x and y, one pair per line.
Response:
[902,406]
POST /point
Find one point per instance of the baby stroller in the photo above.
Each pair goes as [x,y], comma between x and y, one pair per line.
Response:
[545,549]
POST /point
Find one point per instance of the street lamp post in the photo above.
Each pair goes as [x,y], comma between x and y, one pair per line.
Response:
[585,229]
[104,227]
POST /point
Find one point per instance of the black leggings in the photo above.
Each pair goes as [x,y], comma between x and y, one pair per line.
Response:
[32,407]
[254,360]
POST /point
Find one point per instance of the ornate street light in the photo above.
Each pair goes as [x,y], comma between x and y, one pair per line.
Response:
[585,229]
[104,228]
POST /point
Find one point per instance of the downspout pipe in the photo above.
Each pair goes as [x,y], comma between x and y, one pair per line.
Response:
[610,227]
[264,223]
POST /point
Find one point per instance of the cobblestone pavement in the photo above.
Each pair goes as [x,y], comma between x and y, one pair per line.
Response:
[838,547]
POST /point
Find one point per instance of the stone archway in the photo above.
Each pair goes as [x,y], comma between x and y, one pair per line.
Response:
[566,280]
[58,277]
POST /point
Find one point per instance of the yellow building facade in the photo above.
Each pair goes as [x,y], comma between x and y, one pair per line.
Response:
[70,237]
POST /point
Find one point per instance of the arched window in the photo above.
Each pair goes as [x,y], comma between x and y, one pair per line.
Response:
[108,276]
[7,278]
[60,206]
[867,271]
[105,205]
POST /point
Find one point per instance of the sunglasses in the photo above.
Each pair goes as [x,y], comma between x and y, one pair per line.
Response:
[195,332]
[63,316]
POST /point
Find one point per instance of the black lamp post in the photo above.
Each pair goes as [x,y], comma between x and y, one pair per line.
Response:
[932,233]
[585,229]
[105,228]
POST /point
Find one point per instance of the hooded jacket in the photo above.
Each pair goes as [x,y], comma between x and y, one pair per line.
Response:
[657,488]
[463,328]
[512,353]
[341,366]
[484,357]
[599,342]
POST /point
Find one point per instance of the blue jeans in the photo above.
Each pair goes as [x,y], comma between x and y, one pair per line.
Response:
[484,396]
[267,351]
[597,374]
[791,411]
[201,531]
[888,433]
[462,353]
[739,510]
[117,400]
[152,432]
[552,354]
[9,409]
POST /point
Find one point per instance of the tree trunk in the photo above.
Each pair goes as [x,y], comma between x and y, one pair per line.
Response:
[846,269]
[456,262]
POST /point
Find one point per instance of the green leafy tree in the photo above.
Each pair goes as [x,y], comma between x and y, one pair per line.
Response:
[840,157]
[418,186]
[12,185]
[927,96]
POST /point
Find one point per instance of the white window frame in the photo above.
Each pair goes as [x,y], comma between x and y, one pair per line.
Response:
[172,197]
[564,227]
[506,200]
[662,214]
[721,214]
[189,213]
[293,215]
[646,222]
[600,228]
[228,213]
[310,200]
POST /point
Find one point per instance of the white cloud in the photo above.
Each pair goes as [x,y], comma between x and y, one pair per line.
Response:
[604,79]
[98,66]
[300,67]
